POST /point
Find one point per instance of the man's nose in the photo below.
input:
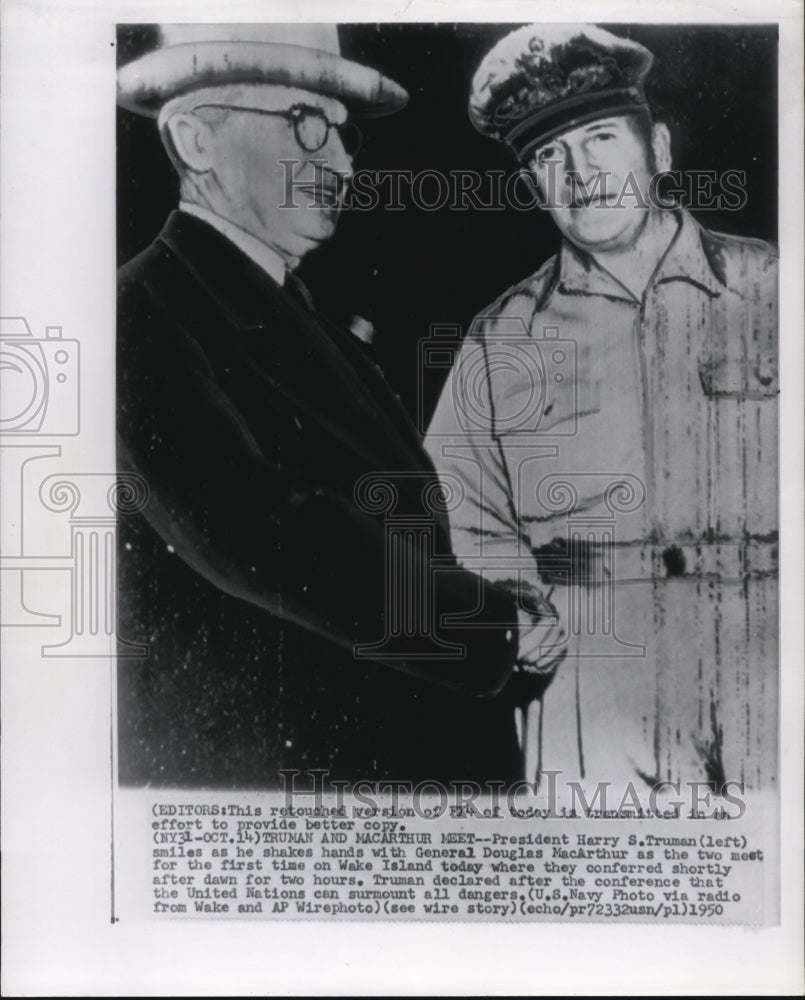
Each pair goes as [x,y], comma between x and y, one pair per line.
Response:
[339,160]
[578,168]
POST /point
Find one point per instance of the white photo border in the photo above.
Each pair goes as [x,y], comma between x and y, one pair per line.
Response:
[58,252]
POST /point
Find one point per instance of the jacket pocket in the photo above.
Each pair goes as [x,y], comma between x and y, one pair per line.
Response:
[748,377]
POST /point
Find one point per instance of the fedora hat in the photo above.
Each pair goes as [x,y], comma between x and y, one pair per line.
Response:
[189,57]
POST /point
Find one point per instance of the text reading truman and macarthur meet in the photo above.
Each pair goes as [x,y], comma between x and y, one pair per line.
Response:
[231,860]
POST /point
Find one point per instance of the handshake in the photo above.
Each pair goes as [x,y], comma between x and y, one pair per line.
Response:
[543,644]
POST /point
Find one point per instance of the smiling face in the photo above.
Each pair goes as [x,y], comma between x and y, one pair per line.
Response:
[595,179]
[280,192]
[247,165]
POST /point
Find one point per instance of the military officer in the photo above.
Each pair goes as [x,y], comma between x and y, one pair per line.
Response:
[613,421]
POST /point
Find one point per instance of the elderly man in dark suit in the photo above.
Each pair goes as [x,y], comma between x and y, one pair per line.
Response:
[260,573]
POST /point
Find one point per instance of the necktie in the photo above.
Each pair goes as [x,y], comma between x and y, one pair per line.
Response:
[298,291]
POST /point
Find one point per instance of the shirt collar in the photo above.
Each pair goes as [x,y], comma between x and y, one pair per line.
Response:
[684,260]
[263,255]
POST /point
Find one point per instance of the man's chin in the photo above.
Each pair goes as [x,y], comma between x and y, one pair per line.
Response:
[326,222]
[304,243]
[597,231]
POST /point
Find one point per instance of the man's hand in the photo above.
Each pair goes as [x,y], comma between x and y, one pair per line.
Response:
[542,647]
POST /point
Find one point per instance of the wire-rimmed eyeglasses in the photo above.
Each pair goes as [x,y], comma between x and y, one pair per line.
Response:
[311,126]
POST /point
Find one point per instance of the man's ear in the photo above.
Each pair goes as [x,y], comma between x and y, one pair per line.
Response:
[192,142]
[661,146]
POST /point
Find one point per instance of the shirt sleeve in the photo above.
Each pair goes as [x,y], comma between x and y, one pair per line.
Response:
[465,441]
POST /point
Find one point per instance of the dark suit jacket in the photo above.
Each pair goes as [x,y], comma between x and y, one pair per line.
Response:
[252,572]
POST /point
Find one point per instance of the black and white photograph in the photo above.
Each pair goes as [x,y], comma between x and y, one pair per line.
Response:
[594,587]
[402,465]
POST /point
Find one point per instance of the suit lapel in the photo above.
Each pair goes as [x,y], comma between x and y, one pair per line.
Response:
[303,356]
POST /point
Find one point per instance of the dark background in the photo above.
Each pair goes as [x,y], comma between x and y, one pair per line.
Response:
[715,87]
